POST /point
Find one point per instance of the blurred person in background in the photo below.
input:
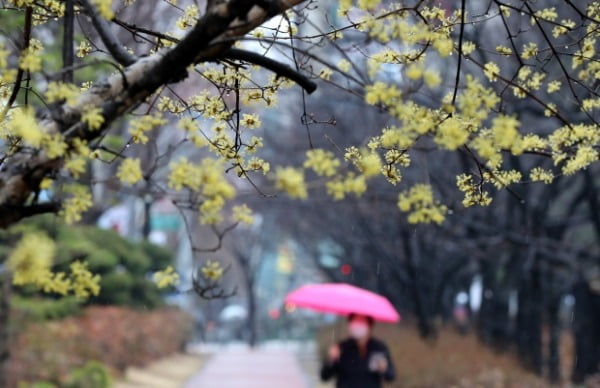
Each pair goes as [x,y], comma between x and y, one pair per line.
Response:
[360,361]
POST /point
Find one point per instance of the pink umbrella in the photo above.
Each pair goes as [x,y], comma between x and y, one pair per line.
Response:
[343,299]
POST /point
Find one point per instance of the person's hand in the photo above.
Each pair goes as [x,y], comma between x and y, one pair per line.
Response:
[333,354]
[382,365]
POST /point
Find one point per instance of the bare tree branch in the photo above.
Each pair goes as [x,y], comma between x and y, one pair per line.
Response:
[278,68]
[114,47]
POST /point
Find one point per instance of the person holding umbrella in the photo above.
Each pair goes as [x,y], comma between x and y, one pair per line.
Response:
[360,361]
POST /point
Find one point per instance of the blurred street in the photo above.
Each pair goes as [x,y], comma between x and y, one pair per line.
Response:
[274,364]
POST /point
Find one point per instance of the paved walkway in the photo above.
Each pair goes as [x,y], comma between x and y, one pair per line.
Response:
[251,368]
[170,372]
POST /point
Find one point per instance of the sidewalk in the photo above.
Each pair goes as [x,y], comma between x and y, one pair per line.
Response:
[251,368]
[170,372]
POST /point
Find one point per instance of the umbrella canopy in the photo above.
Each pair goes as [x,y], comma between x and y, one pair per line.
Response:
[343,299]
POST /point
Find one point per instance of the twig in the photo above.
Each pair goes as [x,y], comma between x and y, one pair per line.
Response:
[17,85]
[278,68]
[460,44]
[114,47]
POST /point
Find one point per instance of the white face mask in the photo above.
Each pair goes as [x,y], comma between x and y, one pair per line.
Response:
[358,330]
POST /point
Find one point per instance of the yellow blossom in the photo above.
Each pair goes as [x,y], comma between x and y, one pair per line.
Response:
[59,91]
[138,128]
[418,201]
[83,49]
[468,47]
[189,17]
[491,71]
[451,134]
[104,8]
[242,213]
[432,78]
[93,118]
[31,259]
[22,123]
[79,202]
[344,65]
[250,121]
[503,50]
[291,181]
[212,270]
[84,283]
[539,174]
[166,278]
[46,183]
[322,162]
[54,145]
[505,131]
[326,73]
[529,50]
[130,171]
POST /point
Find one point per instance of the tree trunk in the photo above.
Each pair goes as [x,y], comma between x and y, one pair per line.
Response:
[5,289]
[554,342]
[251,313]
[529,321]
[586,321]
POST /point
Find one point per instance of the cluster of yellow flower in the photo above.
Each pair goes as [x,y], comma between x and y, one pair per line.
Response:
[22,3]
[79,202]
[291,180]
[104,8]
[502,179]
[207,179]
[189,17]
[242,213]
[350,184]
[322,162]
[538,174]
[30,263]
[419,202]
[474,193]
[130,171]
[166,278]
[140,126]
[212,270]
[31,58]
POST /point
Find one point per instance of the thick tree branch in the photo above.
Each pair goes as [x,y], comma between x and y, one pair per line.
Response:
[114,47]
[278,68]
[13,214]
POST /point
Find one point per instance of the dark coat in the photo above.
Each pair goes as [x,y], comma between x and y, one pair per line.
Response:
[352,370]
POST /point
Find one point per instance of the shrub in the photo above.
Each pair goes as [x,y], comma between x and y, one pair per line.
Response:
[117,337]
[92,375]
